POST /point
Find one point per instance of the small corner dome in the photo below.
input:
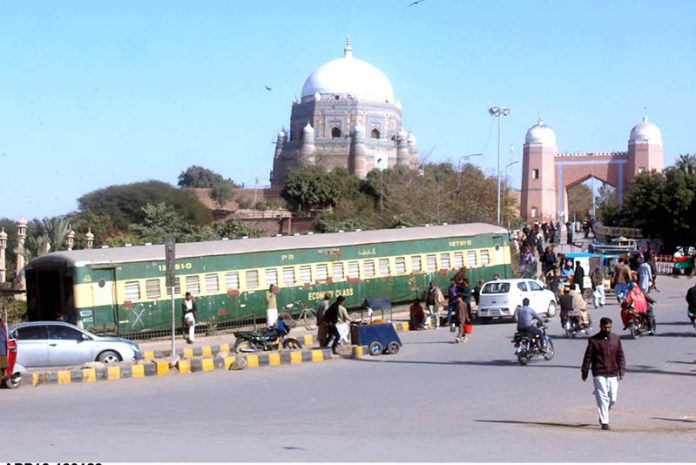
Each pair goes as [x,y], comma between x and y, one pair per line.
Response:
[308,128]
[411,138]
[541,134]
[645,131]
[349,76]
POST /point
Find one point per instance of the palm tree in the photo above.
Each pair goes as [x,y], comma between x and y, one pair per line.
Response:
[686,163]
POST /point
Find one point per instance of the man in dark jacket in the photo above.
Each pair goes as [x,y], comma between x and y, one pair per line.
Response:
[579,277]
[606,357]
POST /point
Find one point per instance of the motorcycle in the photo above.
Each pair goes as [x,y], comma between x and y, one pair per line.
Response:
[574,324]
[265,340]
[641,323]
[528,346]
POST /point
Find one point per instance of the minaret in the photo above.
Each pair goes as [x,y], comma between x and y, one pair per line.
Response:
[20,281]
[70,239]
[538,202]
[3,246]
[89,239]
[280,142]
[412,151]
[308,147]
[357,163]
[403,157]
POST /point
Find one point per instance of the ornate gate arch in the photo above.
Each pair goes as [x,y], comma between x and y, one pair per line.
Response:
[547,175]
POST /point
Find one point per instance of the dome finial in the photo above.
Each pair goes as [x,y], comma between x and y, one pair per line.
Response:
[348,50]
[540,122]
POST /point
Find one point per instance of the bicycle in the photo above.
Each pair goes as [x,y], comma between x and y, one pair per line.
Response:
[299,312]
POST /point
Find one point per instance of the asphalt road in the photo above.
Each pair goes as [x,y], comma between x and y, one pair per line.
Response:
[434,401]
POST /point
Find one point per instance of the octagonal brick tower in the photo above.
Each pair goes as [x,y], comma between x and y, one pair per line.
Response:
[538,174]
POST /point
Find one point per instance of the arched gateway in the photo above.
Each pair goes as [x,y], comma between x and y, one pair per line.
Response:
[547,175]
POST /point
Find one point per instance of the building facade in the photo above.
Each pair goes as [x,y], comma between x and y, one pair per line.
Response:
[347,117]
[547,174]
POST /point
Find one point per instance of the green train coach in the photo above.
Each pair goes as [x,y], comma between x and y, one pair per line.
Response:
[122,290]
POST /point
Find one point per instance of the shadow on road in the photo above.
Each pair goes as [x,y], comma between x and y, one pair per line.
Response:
[637,369]
[540,423]
[681,420]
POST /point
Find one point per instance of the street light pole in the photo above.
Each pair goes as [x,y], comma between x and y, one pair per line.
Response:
[498,112]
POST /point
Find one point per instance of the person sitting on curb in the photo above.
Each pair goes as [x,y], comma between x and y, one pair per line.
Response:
[417,315]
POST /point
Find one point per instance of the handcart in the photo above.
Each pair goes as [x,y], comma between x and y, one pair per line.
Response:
[379,338]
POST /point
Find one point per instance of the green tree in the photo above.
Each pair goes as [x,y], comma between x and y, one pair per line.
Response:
[310,188]
[197,176]
[221,193]
[124,203]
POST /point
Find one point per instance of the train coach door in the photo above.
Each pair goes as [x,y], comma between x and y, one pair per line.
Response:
[104,313]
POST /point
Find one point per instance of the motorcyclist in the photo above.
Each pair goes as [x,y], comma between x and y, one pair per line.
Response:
[638,302]
[566,302]
[525,317]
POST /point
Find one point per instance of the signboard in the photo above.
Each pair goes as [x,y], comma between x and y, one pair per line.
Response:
[169,251]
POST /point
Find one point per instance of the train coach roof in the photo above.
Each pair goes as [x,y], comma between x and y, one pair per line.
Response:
[155,252]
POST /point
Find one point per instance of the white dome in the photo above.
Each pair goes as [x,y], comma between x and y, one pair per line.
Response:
[351,76]
[646,132]
[540,134]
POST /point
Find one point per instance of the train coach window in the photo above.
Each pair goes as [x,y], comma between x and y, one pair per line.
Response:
[193,285]
[430,263]
[353,270]
[337,271]
[306,274]
[252,279]
[232,280]
[369,267]
[132,290]
[322,272]
[212,283]
[458,260]
[400,265]
[153,289]
[471,258]
[485,258]
[288,276]
[416,264]
[271,276]
[384,267]
[444,261]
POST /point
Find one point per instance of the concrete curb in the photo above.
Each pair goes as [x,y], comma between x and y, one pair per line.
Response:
[208,350]
[211,350]
[183,366]
[194,360]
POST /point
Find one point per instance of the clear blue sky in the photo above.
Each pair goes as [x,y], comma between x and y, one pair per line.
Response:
[100,93]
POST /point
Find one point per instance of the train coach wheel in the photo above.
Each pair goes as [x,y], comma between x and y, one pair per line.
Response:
[393,347]
[375,348]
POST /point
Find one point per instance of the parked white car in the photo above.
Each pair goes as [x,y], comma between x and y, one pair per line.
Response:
[55,343]
[501,298]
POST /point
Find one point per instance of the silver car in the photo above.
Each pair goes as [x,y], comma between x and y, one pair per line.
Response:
[55,343]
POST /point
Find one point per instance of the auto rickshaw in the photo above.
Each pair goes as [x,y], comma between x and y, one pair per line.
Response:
[10,370]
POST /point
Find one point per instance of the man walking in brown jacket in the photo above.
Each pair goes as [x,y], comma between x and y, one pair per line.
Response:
[606,357]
